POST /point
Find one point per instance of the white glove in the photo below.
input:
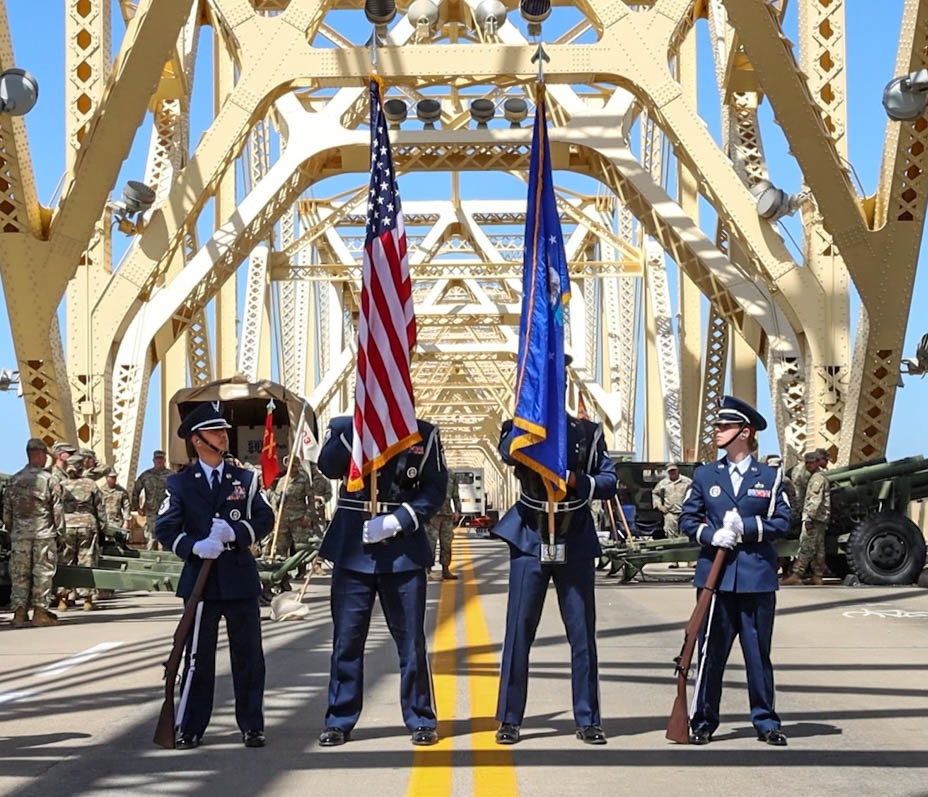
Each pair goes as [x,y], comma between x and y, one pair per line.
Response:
[380,528]
[222,531]
[210,548]
[732,520]
[725,538]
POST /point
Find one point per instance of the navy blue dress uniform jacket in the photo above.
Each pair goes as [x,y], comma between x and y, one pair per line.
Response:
[182,522]
[412,485]
[596,480]
[764,510]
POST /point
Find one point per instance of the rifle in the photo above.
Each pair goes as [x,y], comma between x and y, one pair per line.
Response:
[164,730]
[678,726]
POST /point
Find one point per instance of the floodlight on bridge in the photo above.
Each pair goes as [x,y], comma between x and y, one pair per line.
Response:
[534,12]
[423,15]
[773,203]
[490,16]
[396,112]
[905,98]
[136,199]
[428,112]
[515,109]
[379,12]
[917,366]
[19,92]
[482,111]
[8,378]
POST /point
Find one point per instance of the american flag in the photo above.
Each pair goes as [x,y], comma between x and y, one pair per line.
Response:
[384,409]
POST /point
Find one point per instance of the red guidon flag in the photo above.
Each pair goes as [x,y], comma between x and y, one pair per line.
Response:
[384,409]
[269,466]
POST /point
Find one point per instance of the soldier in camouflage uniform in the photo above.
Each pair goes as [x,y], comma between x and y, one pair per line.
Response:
[441,528]
[816,512]
[115,501]
[92,468]
[152,482]
[322,494]
[85,525]
[799,476]
[294,526]
[667,498]
[32,512]
[60,453]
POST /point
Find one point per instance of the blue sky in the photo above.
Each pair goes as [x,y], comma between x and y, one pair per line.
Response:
[872,32]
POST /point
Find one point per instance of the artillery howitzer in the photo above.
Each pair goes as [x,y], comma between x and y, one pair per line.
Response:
[870,533]
[130,569]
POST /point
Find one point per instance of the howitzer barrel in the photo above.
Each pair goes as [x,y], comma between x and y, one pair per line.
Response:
[843,473]
[876,471]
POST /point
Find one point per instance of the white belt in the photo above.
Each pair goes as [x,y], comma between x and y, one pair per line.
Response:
[556,506]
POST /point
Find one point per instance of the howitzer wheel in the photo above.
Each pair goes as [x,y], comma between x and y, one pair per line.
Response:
[887,548]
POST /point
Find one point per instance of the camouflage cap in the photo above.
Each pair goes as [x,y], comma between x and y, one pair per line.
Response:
[822,453]
[87,452]
[62,447]
[75,462]
[158,453]
[811,456]
[36,444]
[672,466]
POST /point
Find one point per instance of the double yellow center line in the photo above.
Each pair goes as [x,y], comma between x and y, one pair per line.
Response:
[433,767]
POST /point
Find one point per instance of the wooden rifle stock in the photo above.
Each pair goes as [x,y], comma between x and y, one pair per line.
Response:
[164,731]
[678,726]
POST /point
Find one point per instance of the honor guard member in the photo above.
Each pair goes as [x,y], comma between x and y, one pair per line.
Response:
[816,513]
[152,482]
[115,501]
[216,510]
[590,476]
[33,515]
[383,556]
[667,498]
[738,504]
[85,526]
[59,467]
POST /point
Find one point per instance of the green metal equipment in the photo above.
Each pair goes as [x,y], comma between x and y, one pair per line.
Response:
[870,535]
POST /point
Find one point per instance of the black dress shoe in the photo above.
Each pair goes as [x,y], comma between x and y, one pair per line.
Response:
[424,736]
[700,736]
[507,734]
[333,737]
[254,738]
[776,737]
[187,741]
[591,734]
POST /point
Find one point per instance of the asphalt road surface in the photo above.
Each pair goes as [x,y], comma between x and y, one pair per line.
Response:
[78,703]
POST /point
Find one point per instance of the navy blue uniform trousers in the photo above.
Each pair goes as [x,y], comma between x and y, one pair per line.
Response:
[243,626]
[749,616]
[574,582]
[402,598]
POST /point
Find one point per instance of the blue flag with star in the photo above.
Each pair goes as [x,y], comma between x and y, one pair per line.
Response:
[540,420]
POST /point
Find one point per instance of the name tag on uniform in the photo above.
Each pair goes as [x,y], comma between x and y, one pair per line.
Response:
[553,554]
[758,493]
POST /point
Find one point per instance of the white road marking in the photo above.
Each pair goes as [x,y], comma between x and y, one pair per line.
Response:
[57,668]
[9,697]
[66,664]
